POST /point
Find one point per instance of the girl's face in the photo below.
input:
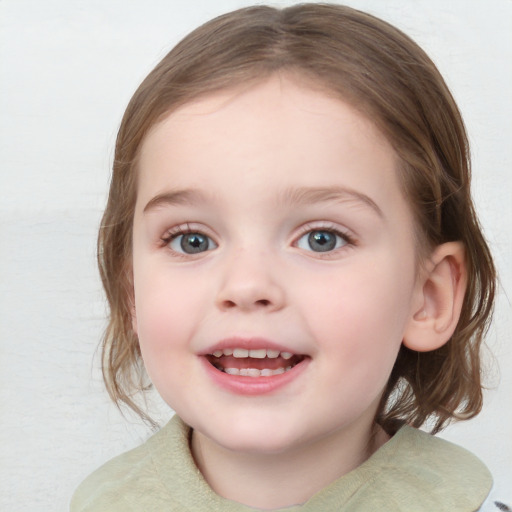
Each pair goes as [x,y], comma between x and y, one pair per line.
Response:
[274,266]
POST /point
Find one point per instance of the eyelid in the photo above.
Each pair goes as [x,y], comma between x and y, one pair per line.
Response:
[191,227]
[338,230]
[344,232]
[187,227]
[184,229]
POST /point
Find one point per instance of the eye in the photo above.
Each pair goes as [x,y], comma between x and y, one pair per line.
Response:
[191,243]
[322,240]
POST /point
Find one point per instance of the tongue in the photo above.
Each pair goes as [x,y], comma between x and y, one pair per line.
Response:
[252,362]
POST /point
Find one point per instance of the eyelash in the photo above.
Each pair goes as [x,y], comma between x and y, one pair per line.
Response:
[345,235]
[348,238]
[173,233]
[183,230]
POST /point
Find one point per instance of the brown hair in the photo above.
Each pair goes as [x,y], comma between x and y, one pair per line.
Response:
[386,76]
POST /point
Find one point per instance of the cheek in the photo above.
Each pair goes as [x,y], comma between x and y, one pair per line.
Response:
[164,300]
[361,321]
[165,315]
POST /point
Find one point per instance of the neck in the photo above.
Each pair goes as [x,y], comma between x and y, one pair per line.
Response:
[271,481]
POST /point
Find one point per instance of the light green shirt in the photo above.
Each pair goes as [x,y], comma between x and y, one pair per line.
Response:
[412,472]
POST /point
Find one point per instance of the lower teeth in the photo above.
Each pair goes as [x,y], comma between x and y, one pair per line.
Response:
[254,372]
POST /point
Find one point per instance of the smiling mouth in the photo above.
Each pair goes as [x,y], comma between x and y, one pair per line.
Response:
[253,363]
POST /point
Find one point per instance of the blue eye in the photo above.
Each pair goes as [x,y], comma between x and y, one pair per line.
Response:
[321,240]
[192,243]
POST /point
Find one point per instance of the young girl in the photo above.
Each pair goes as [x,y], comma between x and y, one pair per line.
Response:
[290,251]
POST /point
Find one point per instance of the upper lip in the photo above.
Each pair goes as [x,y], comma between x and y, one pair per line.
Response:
[249,343]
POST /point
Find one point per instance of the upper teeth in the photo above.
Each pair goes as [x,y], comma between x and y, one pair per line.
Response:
[260,353]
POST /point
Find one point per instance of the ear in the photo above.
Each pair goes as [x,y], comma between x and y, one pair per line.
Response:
[439,298]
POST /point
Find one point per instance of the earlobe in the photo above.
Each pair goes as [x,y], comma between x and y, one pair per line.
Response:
[440,296]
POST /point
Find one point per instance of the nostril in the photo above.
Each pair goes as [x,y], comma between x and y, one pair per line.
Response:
[249,295]
[228,304]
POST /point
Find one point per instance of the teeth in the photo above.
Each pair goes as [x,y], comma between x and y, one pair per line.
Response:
[250,372]
[255,353]
[258,354]
[254,372]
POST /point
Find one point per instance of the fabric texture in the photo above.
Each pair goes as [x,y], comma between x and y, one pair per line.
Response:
[413,471]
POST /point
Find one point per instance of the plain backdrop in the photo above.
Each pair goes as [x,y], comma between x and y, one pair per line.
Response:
[67,71]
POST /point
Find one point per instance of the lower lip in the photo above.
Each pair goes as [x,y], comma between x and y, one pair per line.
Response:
[242,385]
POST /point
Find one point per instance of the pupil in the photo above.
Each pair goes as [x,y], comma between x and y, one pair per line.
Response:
[193,243]
[322,241]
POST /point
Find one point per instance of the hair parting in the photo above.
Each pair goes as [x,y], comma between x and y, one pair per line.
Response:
[384,75]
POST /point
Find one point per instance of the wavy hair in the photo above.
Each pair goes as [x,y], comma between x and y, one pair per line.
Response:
[388,78]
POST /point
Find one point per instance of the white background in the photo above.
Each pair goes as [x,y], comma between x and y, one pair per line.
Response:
[67,70]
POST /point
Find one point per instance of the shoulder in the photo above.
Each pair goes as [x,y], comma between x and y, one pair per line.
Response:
[451,469]
[414,445]
[421,472]
[122,484]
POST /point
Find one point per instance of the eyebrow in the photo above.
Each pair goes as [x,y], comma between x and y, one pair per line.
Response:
[312,195]
[175,197]
[301,196]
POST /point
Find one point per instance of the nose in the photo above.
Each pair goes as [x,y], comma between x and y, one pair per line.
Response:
[250,284]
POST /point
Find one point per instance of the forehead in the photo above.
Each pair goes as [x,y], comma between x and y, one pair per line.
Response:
[279,131]
[291,93]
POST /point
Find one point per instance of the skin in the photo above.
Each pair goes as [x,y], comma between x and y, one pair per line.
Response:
[243,152]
